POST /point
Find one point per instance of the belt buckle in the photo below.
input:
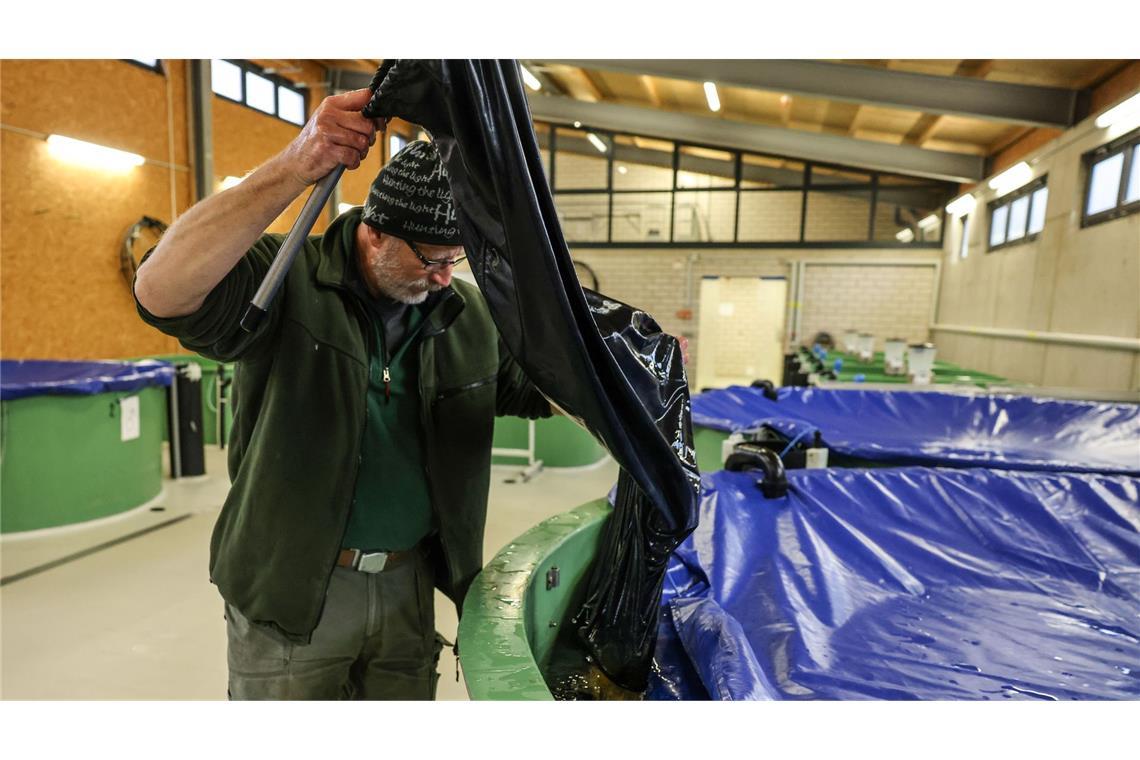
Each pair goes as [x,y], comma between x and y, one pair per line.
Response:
[372,563]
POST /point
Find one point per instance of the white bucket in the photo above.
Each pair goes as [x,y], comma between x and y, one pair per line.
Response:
[920,363]
[894,356]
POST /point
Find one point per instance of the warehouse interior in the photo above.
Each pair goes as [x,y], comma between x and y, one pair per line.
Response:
[896,227]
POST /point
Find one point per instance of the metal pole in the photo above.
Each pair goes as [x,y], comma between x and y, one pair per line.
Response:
[201,97]
[176,448]
[259,307]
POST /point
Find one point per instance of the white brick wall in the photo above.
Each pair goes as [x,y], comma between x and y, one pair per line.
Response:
[886,299]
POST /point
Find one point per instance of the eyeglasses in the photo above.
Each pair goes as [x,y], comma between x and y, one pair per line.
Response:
[430,263]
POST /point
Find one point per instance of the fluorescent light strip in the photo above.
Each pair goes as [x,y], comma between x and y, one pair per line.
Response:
[961,205]
[712,96]
[596,141]
[530,79]
[905,236]
[1012,178]
[89,154]
[929,222]
[1129,110]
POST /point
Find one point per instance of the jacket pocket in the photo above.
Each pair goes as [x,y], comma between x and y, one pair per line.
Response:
[447,393]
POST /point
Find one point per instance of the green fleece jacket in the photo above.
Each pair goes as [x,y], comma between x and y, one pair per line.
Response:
[300,391]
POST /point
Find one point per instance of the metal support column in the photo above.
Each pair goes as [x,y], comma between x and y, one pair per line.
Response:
[200,94]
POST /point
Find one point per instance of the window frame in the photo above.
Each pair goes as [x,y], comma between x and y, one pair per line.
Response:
[805,186]
[1006,202]
[277,81]
[157,68]
[1128,145]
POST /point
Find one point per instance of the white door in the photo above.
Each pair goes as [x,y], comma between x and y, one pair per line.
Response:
[741,331]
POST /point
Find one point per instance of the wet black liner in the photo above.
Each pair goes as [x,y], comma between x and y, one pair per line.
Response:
[605,363]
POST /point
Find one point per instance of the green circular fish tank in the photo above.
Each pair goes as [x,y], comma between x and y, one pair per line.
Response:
[62,460]
[514,638]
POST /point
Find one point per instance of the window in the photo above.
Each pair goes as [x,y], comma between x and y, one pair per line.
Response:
[396,143]
[259,93]
[249,85]
[613,189]
[290,105]
[225,79]
[1020,216]
[150,64]
[1113,188]
[1133,191]
[997,225]
[1037,218]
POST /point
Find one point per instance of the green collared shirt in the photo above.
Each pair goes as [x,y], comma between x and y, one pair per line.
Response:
[391,505]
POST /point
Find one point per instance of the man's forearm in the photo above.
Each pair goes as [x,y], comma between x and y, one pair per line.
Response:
[207,242]
[198,250]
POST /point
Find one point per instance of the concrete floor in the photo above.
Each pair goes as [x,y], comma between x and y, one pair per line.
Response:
[140,619]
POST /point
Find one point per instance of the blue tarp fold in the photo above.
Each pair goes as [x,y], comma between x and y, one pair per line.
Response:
[36,377]
[906,427]
[907,583]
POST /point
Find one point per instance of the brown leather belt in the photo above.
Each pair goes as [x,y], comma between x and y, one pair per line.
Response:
[373,562]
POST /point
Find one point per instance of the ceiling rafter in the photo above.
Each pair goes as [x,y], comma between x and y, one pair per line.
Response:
[823,147]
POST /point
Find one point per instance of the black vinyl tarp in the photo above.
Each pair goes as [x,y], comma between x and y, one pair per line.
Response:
[603,362]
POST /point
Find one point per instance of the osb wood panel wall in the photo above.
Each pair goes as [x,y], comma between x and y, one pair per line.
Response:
[62,293]
[245,138]
[61,226]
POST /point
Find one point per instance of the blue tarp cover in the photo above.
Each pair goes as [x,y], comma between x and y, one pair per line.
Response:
[906,583]
[907,427]
[34,377]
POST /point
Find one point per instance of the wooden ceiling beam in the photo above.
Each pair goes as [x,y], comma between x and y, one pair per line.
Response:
[727,133]
[650,88]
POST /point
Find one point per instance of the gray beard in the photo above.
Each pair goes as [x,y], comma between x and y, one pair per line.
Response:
[409,292]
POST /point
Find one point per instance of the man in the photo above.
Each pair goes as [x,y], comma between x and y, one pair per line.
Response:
[365,404]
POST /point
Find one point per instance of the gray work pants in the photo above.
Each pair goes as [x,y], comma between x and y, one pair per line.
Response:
[375,640]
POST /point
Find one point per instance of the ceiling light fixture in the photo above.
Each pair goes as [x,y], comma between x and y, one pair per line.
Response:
[577,125]
[1012,178]
[712,96]
[596,141]
[961,205]
[530,79]
[1128,111]
[929,222]
[622,169]
[905,236]
[89,154]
